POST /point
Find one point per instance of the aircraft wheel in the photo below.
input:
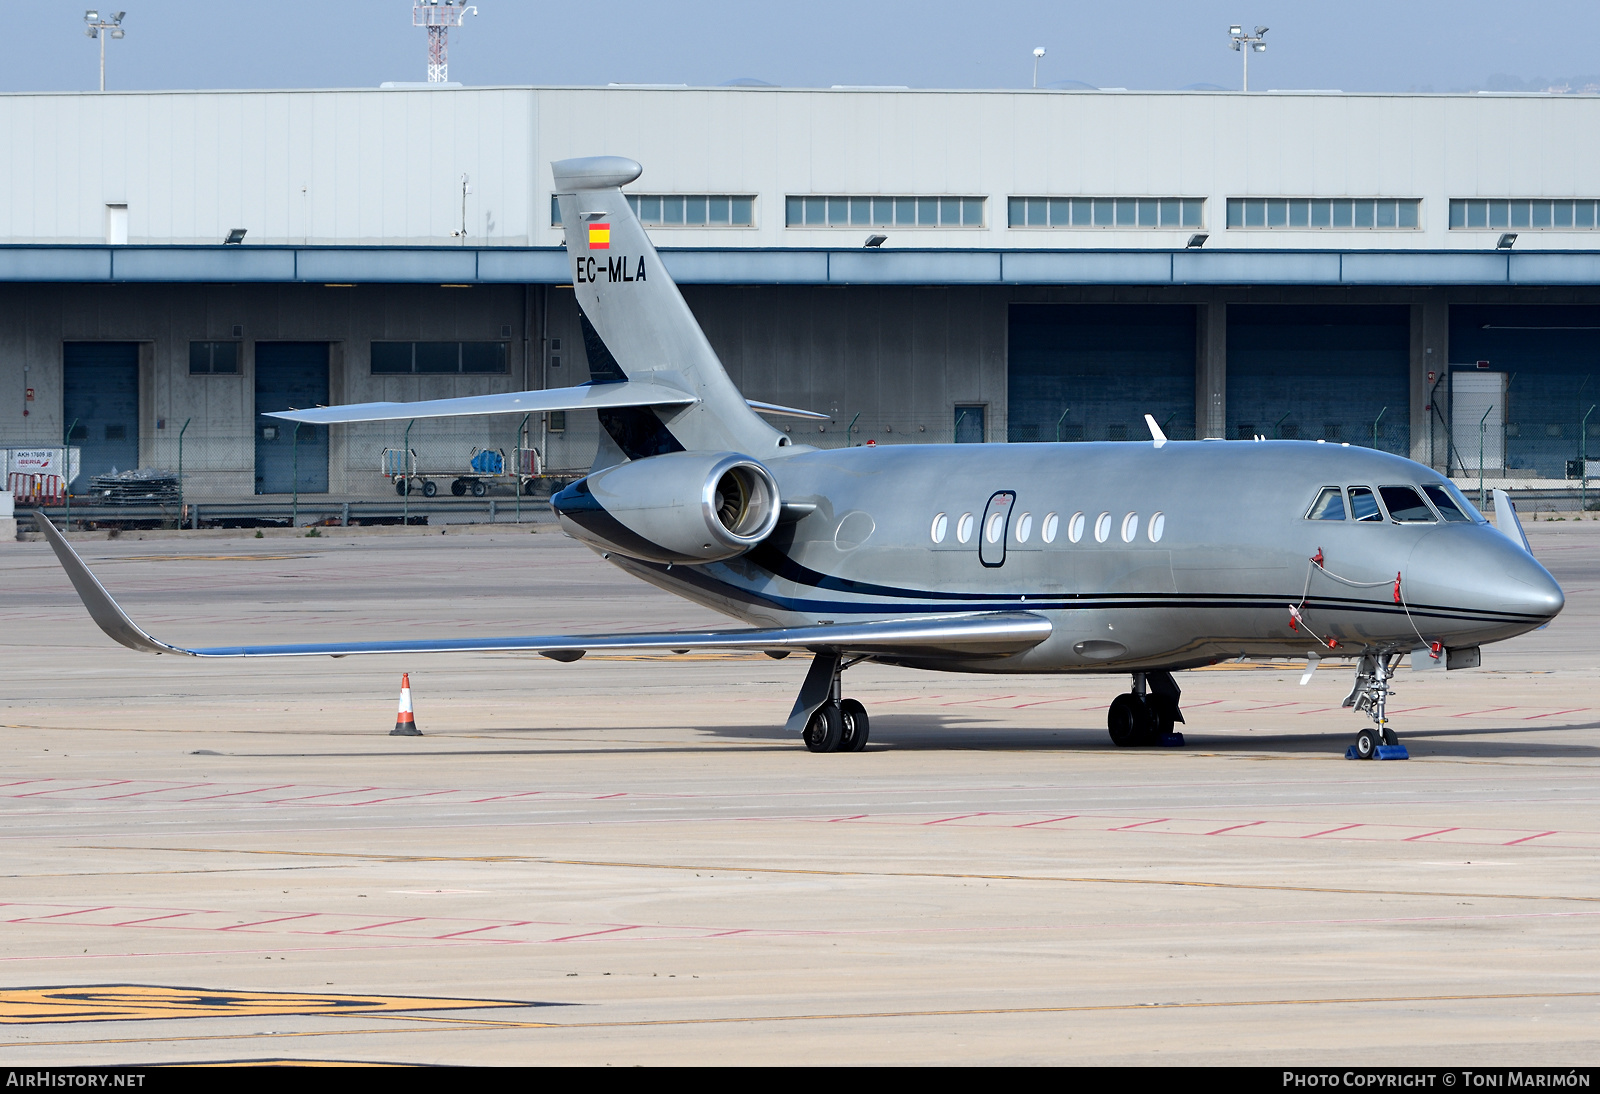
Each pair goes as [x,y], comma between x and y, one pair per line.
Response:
[853,736]
[1163,715]
[825,729]
[1129,721]
[402,487]
[1390,737]
[458,488]
[429,489]
[1367,742]
[479,489]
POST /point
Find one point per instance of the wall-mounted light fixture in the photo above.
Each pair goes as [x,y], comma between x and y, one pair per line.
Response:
[235,236]
[876,240]
[1506,241]
[1197,240]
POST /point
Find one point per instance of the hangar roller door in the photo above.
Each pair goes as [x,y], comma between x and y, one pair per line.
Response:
[100,392]
[290,375]
[1548,358]
[1316,372]
[1091,372]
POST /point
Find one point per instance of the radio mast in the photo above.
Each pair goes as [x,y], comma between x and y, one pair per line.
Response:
[438,16]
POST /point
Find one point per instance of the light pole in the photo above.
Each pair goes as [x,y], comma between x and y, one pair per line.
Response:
[100,28]
[1038,54]
[1245,44]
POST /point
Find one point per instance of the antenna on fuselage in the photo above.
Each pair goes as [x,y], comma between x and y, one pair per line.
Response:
[1155,430]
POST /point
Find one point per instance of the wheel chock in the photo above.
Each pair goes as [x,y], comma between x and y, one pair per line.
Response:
[1351,754]
[1393,752]
[1171,740]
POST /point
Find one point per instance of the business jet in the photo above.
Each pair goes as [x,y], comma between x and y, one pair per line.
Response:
[1133,558]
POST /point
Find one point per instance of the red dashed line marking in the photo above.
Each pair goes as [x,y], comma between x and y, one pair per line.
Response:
[959,816]
[65,789]
[1425,835]
[1052,820]
[1331,831]
[157,790]
[1555,713]
[1489,710]
[237,793]
[1140,824]
[1235,827]
[1525,839]
[265,922]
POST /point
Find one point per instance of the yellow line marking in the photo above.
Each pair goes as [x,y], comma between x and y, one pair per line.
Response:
[817,872]
[857,1016]
[125,1002]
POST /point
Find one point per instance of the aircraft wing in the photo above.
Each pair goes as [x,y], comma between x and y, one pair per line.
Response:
[583,397]
[977,634]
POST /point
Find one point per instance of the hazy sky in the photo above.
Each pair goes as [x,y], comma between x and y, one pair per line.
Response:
[1355,45]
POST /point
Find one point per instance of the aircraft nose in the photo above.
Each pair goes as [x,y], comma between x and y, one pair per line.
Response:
[1480,570]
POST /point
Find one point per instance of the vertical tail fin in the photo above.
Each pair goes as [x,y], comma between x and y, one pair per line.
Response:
[637,325]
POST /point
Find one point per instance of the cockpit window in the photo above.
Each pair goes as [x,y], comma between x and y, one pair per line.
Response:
[1461,501]
[1406,505]
[1328,506]
[1363,504]
[1445,504]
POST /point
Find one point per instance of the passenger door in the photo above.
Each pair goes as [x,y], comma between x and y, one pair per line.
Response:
[996,524]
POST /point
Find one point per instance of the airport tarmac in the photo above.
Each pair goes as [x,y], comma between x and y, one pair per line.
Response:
[624,861]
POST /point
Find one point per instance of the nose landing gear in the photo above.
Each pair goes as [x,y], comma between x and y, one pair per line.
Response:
[1148,714]
[1370,696]
[825,721]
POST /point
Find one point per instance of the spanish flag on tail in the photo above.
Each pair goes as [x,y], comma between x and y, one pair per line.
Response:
[599,237]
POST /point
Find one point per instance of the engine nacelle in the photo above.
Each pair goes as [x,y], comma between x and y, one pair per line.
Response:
[681,507]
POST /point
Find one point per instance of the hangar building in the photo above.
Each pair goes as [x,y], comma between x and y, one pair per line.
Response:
[1056,264]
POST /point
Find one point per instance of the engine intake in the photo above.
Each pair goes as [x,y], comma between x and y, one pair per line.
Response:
[681,507]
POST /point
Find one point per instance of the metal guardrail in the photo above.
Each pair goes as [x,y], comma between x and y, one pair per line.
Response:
[252,513]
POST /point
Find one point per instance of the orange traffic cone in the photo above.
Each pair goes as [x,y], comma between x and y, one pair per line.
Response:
[404,724]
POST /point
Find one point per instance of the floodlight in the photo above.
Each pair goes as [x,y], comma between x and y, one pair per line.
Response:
[1038,51]
[1236,29]
[876,240]
[235,236]
[117,18]
[1260,47]
[91,16]
[1197,240]
[1506,242]
[118,32]
[1262,30]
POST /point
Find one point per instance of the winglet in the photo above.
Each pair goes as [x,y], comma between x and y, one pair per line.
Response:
[1155,431]
[102,609]
[1506,519]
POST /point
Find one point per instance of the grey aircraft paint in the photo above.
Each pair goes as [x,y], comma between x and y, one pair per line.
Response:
[1141,558]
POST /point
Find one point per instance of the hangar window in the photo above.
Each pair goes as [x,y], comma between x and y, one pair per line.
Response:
[1092,212]
[684,210]
[877,211]
[1559,215]
[1361,214]
[213,358]
[438,358]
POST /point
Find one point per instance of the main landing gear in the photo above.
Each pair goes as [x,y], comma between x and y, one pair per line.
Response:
[827,722]
[1370,696]
[1148,714]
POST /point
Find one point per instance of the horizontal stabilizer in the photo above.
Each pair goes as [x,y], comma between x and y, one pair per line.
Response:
[583,397]
[776,411]
[975,634]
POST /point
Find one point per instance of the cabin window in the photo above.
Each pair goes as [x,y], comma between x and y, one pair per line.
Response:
[1328,506]
[1075,527]
[1052,524]
[1158,525]
[1363,504]
[1024,527]
[941,525]
[1102,527]
[1406,506]
[1130,527]
[964,528]
[1442,501]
